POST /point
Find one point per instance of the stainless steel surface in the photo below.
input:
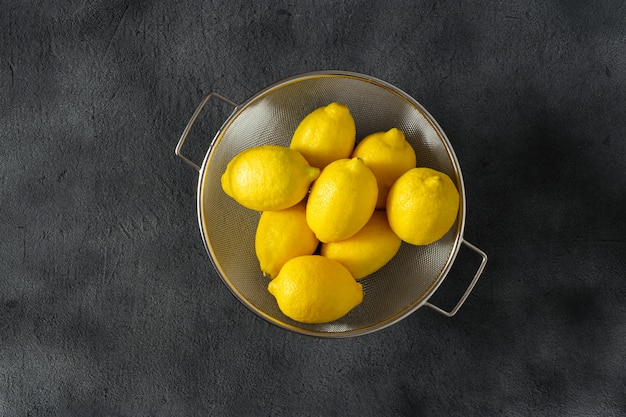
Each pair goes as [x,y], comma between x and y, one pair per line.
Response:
[195,115]
[470,287]
[270,117]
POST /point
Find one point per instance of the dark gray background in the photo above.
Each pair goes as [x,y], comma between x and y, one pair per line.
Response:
[109,305]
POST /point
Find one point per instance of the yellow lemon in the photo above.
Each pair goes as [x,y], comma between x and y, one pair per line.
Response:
[388,155]
[268,177]
[422,206]
[315,289]
[325,135]
[367,251]
[283,235]
[342,200]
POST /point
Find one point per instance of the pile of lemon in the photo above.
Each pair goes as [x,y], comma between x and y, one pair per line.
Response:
[334,213]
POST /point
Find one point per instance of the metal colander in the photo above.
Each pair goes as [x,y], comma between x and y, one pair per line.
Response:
[270,117]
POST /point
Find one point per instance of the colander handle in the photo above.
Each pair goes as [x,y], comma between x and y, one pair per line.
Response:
[183,137]
[469,289]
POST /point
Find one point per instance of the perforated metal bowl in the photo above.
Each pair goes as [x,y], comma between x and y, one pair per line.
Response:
[270,117]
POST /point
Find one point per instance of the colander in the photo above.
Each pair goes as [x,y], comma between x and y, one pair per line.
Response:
[270,117]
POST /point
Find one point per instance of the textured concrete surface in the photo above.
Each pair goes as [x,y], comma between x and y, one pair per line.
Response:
[109,305]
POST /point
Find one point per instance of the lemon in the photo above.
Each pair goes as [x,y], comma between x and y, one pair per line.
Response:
[388,155]
[422,206]
[342,200]
[325,135]
[367,251]
[315,289]
[283,235]
[268,177]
